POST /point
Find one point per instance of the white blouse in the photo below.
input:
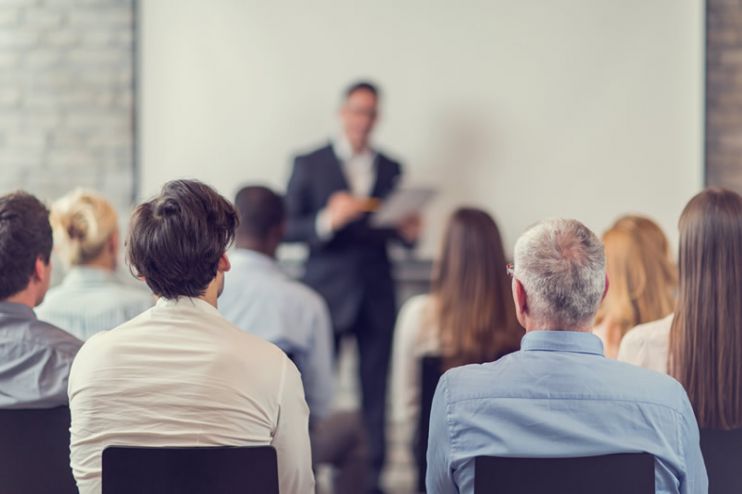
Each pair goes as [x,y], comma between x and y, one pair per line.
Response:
[647,345]
[415,336]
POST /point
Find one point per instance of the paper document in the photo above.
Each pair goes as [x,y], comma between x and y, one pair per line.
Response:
[401,204]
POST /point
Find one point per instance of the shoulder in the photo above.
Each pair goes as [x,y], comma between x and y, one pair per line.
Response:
[652,336]
[60,340]
[388,161]
[415,307]
[319,154]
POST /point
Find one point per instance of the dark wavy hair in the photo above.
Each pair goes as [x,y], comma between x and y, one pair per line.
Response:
[176,239]
[25,235]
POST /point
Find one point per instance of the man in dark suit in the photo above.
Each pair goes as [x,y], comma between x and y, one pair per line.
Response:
[331,194]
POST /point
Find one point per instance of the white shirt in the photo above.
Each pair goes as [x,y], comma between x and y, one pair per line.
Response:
[261,299]
[360,173]
[647,345]
[179,374]
[415,336]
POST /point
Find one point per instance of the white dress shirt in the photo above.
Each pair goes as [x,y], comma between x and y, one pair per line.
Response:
[647,345]
[261,299]
[180,374]
[415,335]
[360,173]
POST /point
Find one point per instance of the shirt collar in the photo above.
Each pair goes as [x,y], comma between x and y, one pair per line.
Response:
[17,310]
[344,151]
[562,341]
[82,275]
[187,303]
[255,259]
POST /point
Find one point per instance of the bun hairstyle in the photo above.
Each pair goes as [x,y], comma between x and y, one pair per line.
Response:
[82,222]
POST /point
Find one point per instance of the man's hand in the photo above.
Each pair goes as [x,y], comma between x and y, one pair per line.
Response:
[343,208]
[410,228]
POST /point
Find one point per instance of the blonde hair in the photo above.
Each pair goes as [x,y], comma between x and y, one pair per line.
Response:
[82,222]
[641,275]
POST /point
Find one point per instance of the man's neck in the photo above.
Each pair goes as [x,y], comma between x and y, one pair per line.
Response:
[257,246]
[25,297]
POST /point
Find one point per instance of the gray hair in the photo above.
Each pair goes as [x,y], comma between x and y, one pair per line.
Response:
[561,265]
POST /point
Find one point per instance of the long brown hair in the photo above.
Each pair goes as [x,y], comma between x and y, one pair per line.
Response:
[475,313]
[706,333]
[642,276]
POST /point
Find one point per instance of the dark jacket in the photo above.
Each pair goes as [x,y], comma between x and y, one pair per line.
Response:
[353,264]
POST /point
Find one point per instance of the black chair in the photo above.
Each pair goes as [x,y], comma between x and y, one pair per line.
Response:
[213,470]
[722,451]
[430,374]
[623,473]
[35,451]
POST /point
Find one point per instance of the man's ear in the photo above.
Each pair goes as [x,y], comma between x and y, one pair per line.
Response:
[40,270]
[520,298]
[224,264]
[605,291]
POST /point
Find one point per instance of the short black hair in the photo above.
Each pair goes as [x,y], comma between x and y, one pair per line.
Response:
[25,235]
[362,86]
[261,210]
[176,239]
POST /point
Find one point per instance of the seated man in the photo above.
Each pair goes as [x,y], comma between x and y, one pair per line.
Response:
[259,298]
[35,357]
[559,396]
[180,374]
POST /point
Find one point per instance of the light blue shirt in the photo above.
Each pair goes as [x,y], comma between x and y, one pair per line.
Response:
[560,397]
[90,300]
[35,359]
[261,299]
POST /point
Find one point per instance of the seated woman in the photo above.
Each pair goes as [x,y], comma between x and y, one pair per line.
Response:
[90,298]
[468,318]
[642,277]
[701,344]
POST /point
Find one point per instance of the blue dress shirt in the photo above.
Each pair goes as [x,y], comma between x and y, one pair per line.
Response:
[560,397]
[261,299]
[90,300]
[35,359]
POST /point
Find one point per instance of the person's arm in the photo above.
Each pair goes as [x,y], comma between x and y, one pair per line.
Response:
[406,365]
[695,478]
[301,214]
[438,479]
[291,438]
[317,364]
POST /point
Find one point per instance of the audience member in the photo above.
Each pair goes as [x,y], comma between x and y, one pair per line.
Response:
[699,344]
[90,299]
[642,276]
[559,396]
[260,298]
[35,357]
[468,317]
[180,374]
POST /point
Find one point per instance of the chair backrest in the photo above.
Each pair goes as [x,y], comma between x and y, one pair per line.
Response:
[624,473]
[430,374]
[213,470]
[35,451]
[722,451]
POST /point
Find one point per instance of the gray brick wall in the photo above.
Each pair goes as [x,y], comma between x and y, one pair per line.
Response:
[66,97]
[724,93]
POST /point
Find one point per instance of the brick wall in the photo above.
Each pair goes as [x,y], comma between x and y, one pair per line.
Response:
[724,93]
[66,97]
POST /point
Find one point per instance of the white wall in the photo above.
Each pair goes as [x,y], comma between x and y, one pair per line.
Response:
[582,108]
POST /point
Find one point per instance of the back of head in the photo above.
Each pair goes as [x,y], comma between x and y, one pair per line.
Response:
[176,239]
[706,334]
[83,222]
[475,314]
[25,236]
[561,265]
[642,276]
[261,213]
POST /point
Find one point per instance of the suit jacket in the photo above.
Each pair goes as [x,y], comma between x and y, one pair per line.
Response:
[353,265]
